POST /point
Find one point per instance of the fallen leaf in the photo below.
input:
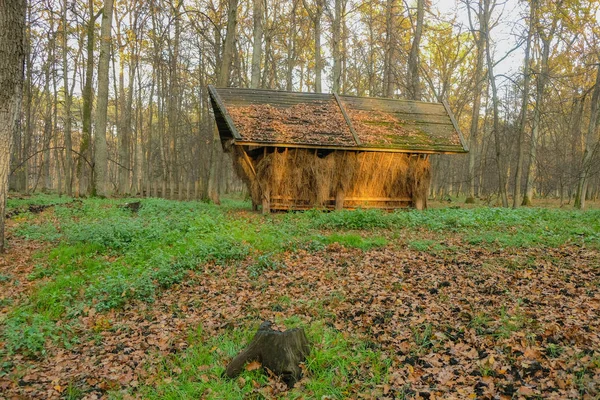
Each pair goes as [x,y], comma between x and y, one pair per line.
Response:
[251,366]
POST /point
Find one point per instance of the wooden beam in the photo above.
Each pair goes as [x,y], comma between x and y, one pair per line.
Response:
[215,96]
[352,148]
[348,121]
[460,135]
[249,162]
[375,199]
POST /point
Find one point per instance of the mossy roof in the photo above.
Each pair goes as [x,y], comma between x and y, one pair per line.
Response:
[319,120]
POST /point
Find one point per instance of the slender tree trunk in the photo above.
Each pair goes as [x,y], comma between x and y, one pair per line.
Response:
[495,105]
[28,104]
[474,129]
[336,44]
[390,29]
[414,86]
[291,48]
[100,149]
[12,56]
[124,114]
[67,95]
[84,169]
[318,61]
[524,105]
[222,81]
[591,145]
[541,81]
[257,15]
[315,16]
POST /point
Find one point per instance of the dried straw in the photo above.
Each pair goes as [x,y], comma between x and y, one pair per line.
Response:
[300,177]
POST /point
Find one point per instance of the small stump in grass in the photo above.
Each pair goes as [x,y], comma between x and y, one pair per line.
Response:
[280,352]
[133,206]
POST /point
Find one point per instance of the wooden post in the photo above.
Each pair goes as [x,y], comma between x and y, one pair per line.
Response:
[266,202]
[339,199]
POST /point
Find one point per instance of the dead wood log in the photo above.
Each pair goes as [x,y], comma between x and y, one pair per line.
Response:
[280,352]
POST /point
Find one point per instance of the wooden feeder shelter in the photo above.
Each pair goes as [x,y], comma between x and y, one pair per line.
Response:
[297,151]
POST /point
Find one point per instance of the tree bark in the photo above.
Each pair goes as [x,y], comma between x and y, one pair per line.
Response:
[479,78]
[100,149]
[524,105]
[257,15]
[280,352]
[495,106]
[67,94]
[84,171]
[414,86]
[591,145]
[12,56]
[222,81]
[336,44]
[291,48]
[388,82]
[315,16]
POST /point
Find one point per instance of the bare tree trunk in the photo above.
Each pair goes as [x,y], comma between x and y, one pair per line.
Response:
[496,125]
[222,81]
[591,146]
[84,169]
[124,114]
[100,149]
[12,55]
[541,82]
[67,94]
[336,44]
[48,133]
[315,16]
[291,48]
[414,86]
[257,15]
[524,104]
[480,43]
[388,82]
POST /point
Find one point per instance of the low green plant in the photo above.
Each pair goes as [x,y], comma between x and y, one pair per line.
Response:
[26,333]
[334,362]
[553,350]
[480,322]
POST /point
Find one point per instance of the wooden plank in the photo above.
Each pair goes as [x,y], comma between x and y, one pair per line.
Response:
[391,105]
[454,149]
[341,106]
[270,92]
[215,96]
[451,115]
[442,119]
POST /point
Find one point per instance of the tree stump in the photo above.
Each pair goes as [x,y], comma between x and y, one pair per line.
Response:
[280,352]
[133,206]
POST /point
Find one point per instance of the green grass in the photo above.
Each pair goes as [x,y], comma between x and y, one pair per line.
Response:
[104,255]
[336,366]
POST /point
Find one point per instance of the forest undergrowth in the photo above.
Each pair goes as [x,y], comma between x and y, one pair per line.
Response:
[99,301]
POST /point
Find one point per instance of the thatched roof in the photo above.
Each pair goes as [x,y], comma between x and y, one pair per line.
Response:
[318,120]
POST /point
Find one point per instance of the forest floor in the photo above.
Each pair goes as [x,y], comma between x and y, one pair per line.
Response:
[98,301]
